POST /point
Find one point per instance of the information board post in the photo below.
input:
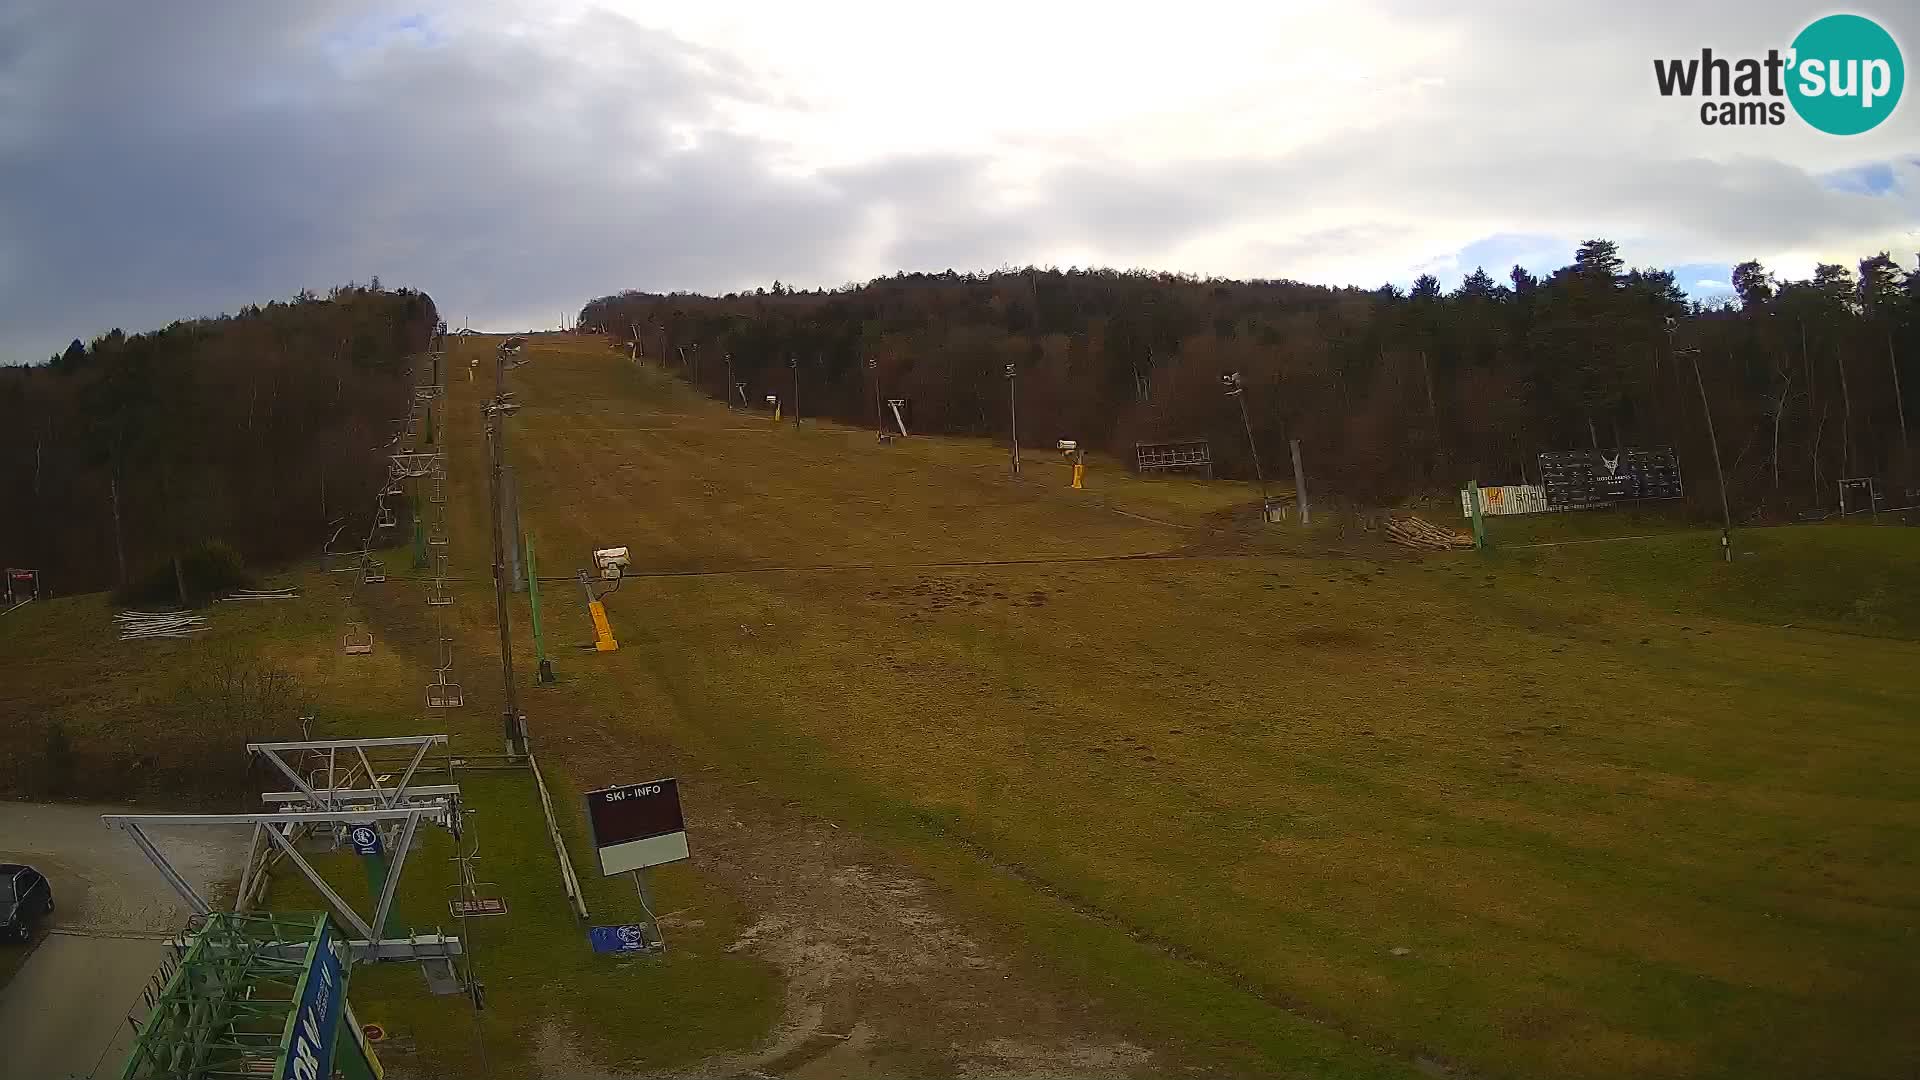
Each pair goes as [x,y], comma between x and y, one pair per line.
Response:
[635,827]
[1479,523]
[646,904]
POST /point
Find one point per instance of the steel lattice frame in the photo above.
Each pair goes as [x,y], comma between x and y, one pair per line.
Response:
[227,1008]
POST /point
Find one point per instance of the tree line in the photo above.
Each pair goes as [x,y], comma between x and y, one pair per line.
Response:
[256,430]
[1393,393]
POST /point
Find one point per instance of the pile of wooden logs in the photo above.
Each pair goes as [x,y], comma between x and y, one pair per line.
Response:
[1415,531]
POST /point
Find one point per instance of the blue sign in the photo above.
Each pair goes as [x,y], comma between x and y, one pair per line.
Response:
[365,839]
[310,1050]
[629,937]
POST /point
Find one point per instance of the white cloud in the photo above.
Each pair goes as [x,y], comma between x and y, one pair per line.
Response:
[515,158]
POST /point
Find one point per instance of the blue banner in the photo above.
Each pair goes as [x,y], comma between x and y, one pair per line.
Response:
[628,937]
[310,1047]
[365,839]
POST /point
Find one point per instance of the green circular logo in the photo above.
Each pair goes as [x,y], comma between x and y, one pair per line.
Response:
[1846,76]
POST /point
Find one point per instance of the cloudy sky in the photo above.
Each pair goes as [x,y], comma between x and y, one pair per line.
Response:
[517,158]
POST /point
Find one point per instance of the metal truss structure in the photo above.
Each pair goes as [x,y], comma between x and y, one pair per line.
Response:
[342,791]
[225,1005]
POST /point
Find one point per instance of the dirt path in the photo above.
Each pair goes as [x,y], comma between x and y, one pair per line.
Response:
[880,981]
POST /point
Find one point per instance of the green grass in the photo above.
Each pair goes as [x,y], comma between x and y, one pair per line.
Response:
[538,969]
[1620,821]
[1855,578]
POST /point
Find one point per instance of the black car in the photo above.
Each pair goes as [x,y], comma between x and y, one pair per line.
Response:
[24,895]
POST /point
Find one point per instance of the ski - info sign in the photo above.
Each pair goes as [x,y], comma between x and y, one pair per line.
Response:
[637,825]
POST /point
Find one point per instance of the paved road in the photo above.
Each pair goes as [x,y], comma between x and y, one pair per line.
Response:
[64,1013]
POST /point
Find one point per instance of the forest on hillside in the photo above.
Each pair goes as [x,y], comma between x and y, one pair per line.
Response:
[254,430]
[1392,393]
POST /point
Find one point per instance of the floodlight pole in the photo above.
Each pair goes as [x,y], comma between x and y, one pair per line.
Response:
[495,412]
[1237,391]
[879,419]
[1013,420]
[729,391]
[1726,516]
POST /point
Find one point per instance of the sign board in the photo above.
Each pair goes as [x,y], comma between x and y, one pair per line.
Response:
[627,937]
[1507,499]
[365,840]
[1578,479]
[637,825]
[1178,454]
[310,1049]
[480,905]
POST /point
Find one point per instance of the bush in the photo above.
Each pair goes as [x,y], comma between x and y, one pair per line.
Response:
[184,744]
[207,570]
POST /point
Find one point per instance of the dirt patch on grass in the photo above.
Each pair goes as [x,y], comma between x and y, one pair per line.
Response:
[1333,637]
[880,981]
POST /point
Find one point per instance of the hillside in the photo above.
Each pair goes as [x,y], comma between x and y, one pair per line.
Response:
[258,430]
[1391,393]
[1149,788]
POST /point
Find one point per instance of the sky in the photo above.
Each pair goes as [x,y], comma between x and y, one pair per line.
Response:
[515,159]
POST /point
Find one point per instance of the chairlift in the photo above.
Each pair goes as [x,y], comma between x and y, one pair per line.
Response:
[371,572]
[358,642]
[439,490]
[384,517]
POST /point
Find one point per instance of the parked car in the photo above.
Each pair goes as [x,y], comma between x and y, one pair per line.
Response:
[25,895]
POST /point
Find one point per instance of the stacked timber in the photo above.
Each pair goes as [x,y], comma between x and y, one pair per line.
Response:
[1415,531]
[139,625]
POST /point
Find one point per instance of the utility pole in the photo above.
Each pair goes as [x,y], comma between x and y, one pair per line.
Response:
[495,413]
[1726,515]
[1013,420]
[1299,481]
[794,363]
[1238,391]
[729,394]
[879,419]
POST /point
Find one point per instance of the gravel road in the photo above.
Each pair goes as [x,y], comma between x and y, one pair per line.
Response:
[63,1014]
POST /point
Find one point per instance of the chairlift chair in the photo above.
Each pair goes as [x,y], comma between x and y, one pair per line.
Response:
[339,562]
[439,490]
[371,572]
[358,642]
[384,517]
[442,692]
[439,595]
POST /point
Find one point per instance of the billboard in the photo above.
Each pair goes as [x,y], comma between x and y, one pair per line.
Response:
[637,825]
[1580,479]
[309,1039]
